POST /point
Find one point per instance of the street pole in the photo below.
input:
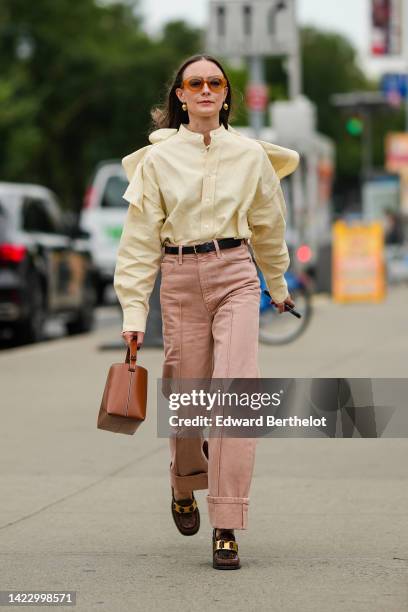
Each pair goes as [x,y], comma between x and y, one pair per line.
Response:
[294,63]
[256,77]
[367,145]
[295,89]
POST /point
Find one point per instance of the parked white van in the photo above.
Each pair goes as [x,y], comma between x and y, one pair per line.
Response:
[103,215]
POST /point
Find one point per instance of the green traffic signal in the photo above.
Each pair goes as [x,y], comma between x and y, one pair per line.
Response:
[355,126]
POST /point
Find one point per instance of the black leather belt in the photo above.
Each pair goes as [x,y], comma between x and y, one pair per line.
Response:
[205,247]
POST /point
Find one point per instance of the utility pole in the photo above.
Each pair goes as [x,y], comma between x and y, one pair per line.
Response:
[294,68]
[256,64]
[294,65]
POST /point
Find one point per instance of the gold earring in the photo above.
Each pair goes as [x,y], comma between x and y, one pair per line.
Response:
[225,106]
[184,106]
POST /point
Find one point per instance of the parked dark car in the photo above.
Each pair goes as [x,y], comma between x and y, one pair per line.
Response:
[46,267]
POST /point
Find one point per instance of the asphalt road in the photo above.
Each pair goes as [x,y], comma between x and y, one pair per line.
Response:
[89,511]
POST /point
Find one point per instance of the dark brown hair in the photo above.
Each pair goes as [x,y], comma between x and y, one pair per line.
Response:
[170,114]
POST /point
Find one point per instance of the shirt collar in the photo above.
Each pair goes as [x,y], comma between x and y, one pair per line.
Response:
[198,137]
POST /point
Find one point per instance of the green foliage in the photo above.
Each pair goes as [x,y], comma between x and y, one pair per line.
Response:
[84,93]
[330,65]
[78,80]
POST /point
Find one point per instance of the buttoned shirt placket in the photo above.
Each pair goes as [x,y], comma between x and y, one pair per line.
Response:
[211,156]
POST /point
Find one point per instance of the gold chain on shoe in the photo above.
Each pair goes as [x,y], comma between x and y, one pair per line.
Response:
[184,509]
[225,545]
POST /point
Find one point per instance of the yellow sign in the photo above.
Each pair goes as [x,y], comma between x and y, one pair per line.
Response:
[358,266]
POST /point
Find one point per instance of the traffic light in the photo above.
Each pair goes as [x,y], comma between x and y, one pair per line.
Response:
[355,125]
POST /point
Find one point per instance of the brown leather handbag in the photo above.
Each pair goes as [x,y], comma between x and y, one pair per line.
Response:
[123,406]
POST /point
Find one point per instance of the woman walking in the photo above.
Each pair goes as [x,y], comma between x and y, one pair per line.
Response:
[197,194]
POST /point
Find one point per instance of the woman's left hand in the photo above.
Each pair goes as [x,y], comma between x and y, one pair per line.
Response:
[281,305]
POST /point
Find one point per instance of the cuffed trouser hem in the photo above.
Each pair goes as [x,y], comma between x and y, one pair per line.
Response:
[228,512]
[189,483]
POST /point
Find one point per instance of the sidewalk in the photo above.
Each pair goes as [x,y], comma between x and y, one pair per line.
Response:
[87,510]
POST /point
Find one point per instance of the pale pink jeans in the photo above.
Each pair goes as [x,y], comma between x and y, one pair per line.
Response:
[210,312]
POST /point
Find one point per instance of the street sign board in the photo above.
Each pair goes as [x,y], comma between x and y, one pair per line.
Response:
[240,28]
[394,87]
[358,264]
[256,96]
[386,27]
[396,152]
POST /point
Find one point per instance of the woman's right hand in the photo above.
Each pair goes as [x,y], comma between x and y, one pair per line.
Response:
[130,335]
[281,305]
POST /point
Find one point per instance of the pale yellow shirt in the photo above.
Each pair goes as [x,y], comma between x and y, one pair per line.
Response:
[184,192]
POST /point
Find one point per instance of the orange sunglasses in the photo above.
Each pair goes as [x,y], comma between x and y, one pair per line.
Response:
[196,83]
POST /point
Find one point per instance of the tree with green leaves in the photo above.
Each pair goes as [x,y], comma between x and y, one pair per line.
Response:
[78,80]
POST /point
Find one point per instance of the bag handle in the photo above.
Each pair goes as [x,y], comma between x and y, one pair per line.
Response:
[131,355]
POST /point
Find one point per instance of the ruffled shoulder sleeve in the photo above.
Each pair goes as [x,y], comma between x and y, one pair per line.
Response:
[140,173]
[139,180]
[284,161]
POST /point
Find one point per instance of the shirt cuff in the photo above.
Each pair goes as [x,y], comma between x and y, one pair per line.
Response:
[134,320]
[278,290]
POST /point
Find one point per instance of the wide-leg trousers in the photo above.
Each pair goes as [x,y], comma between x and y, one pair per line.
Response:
[210,312]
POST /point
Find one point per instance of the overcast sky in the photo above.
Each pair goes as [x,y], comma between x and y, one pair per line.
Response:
[350,17]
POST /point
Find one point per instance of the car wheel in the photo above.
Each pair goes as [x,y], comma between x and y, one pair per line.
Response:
[31,329]
[84,320]
[100,293]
